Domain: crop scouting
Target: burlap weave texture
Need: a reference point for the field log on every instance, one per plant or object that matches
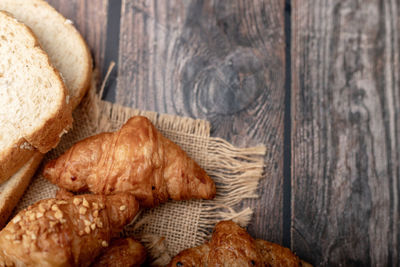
(236, 172)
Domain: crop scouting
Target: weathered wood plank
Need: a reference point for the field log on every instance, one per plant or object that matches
(90, 18)
(345, 139)
(216, 60)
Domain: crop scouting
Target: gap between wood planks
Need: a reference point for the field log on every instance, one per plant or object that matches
(287, 157)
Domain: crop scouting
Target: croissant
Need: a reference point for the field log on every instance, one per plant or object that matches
(122, 252)
(65, 232)
(231, 245)
(136, 159)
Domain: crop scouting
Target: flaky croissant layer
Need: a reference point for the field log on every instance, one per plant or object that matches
(122, 252)
(232, 246)
(65, 232)
(136, 159)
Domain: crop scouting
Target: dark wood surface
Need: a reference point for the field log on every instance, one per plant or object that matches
(317, 82)
(345, 171)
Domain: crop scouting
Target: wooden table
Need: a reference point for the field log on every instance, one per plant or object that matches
(315, 81)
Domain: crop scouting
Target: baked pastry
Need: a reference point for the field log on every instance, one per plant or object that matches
(122, 252)
(231, 245)
(136, 159)
(68, 231)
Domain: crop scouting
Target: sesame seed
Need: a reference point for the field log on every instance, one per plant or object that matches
(93, 226)
(62, 202)
(122, 208)
(98, 222)
(54, 207)
(26, 244)
(82, 210)
(52, 223)
(62, 220)
(95, 205)
(101, 205)
(87, 222)
(104, 243)
(39, 215)
(77, 201)
(81, 232)
(87, 229)
(85, 203)
(32, 216)
(33, 236)
(58, 214)
(17, 219)
(95, 213)
(41, 208)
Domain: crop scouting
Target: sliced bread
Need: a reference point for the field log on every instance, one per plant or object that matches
(77, 71)
(13, 189)
(61, 41)
(12, 157)
(32, 96)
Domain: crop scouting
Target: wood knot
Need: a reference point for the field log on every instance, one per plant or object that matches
(225, 86)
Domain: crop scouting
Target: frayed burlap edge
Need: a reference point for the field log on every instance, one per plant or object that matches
(236, 172)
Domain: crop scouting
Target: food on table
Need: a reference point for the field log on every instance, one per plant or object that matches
(136, 159)
(231, 245)
(66, 231)
(122, 252)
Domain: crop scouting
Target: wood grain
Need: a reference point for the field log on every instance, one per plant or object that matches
(345, 138)
(216, 61)
(90, 18)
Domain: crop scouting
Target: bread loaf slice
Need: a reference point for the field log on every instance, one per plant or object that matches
(13, 189)
(66, 48)
(69, 53)
(33, 108)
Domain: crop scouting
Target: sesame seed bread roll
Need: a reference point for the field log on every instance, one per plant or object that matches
(71, 231)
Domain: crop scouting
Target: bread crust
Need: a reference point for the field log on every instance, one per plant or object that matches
(88, 75)
(84, 86)
(46, 135)
(12, 190)
(71, 231)
(77, 93)
(14, 158)
(231, 245)
(136, 159)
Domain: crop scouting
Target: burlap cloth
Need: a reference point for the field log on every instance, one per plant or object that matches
(174, 226)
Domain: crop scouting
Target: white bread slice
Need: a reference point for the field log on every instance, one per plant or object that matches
(62, 42)
(32, 97)
(13, 189)
(41, 18)
(12, 157)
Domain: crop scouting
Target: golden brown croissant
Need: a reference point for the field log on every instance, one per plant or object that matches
(65, 232)
(123, 252)
(231, 245)
(136, 159)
